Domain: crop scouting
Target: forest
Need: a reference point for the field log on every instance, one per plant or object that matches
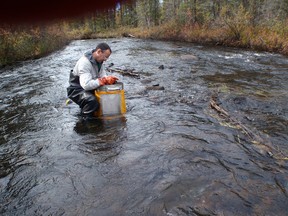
(252, 24)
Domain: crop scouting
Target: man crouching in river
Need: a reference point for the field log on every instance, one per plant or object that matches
(88, 75)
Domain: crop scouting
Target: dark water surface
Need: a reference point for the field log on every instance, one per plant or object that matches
(171, 154)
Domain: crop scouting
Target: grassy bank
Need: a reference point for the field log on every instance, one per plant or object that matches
(254, 38)
(34, 42)
(18, 44)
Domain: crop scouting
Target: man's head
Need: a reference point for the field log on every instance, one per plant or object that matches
(102, 52)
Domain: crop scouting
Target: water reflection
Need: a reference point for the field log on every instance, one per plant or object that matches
(103, 136)
(99, 125)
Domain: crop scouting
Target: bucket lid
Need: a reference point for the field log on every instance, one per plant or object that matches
(114, 87)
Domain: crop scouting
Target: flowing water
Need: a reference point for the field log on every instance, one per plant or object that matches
(205, 133)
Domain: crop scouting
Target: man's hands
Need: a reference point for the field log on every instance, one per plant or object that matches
(108, 80)
(111, 80)
(102, 81)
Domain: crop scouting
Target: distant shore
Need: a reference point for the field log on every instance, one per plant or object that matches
(35, 43)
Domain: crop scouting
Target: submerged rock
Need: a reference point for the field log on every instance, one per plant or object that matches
(154, 87)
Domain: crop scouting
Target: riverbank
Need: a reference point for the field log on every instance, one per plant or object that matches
(20, 43)
(258, 39)
(37, 42)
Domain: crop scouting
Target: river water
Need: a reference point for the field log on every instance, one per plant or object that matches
(205, 133)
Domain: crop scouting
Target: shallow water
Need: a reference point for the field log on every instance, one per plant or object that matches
(171, 154)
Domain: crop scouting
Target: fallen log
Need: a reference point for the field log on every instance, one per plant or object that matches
(125, 72)
(128, 35)
(255, 138)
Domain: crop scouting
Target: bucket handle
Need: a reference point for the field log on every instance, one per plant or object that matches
(114, 89)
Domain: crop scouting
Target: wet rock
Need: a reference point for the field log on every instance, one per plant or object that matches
(189, 57)
(161, 67)
(111, 64)
(240, 100)
(193, 71)
(146, 81)
(154, 87)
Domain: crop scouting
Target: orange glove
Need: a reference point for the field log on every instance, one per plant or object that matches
(111, 80)
(102, 81)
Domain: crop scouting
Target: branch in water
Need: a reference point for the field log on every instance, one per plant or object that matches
(256, 139)
(125, 72)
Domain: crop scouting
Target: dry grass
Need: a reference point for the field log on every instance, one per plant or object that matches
(37, 41)
(27, 43)
(258, 38)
